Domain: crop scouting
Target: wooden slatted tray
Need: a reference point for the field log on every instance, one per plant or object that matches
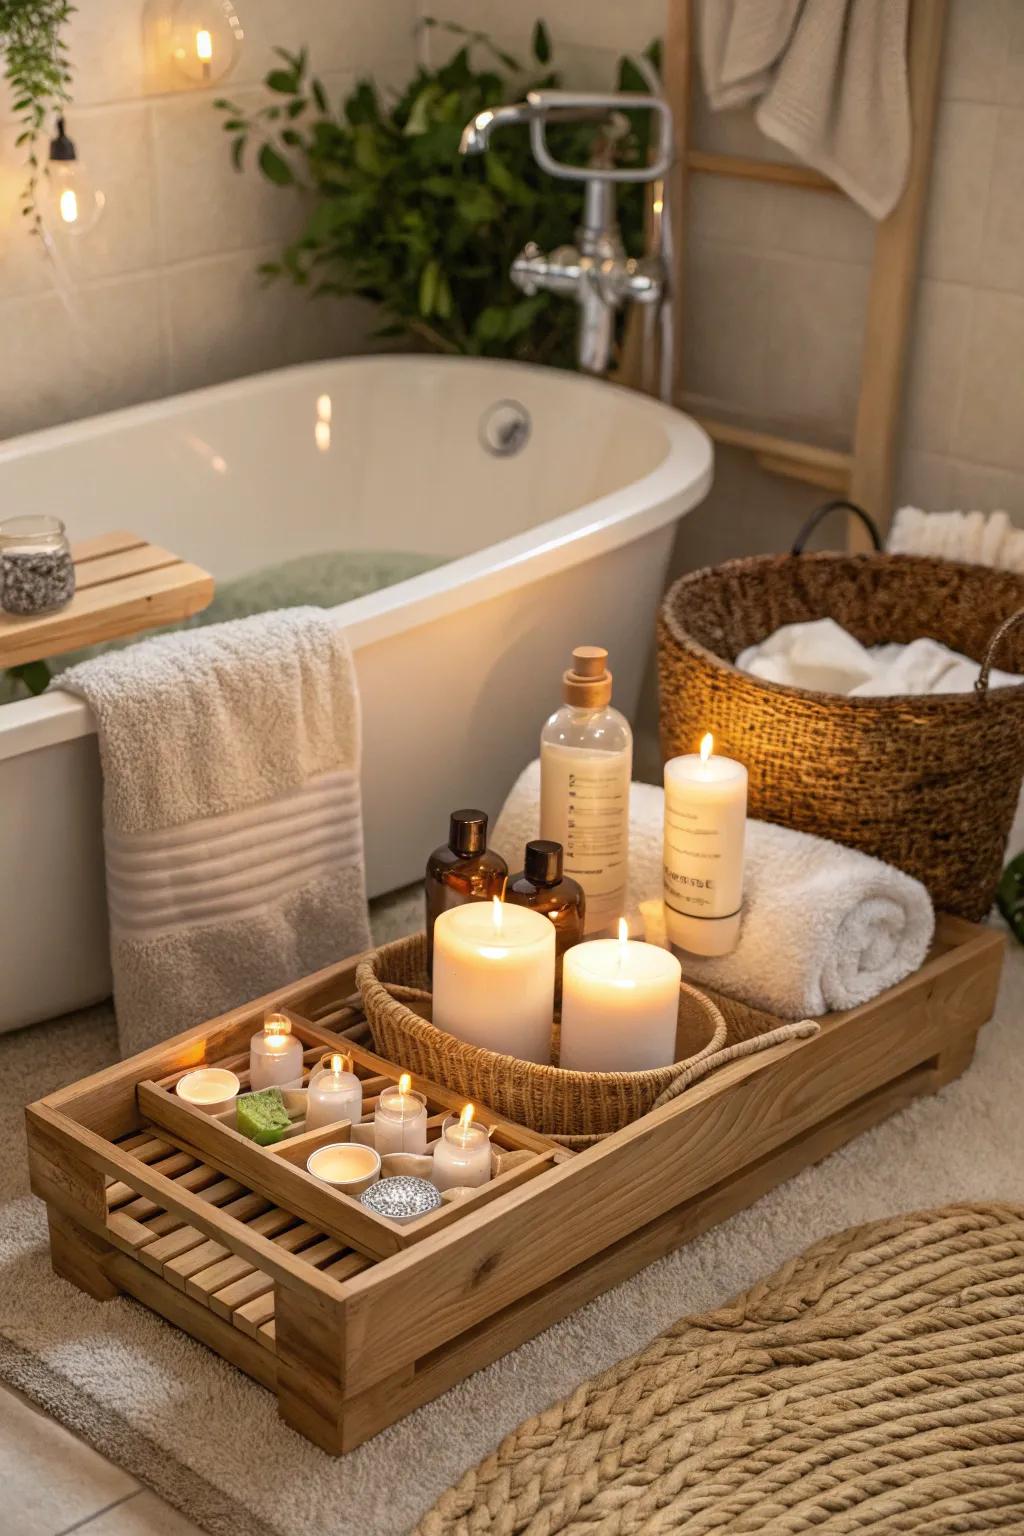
(123, 585)
(284, 1287)
(280, 1170)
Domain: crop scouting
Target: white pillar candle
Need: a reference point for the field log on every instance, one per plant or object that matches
(462, 1157)
(494, 978)
(620, 1005)
(335, 1093)
(705, 823)
(400, 1119)
(208, 1088)
(275, 1055)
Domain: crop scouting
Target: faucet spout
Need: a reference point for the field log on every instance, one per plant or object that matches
(476, 136)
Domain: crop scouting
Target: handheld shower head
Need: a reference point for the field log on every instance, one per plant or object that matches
(476, 135)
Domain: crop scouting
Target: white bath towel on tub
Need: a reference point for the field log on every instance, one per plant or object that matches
(231, 813)
(824, 927)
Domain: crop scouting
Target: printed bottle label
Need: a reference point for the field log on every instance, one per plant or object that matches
(585, 807)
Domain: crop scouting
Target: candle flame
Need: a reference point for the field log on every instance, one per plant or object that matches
(339, 1063)
(277, 1024)
(707, 746)
(404, 1084)
(465, 1119)
(623, 930)
(496, 913)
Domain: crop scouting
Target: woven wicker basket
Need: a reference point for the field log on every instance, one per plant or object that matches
(929, 784)
(576, 1107)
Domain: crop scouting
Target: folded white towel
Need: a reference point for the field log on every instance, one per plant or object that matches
(831, 80)
(231, 811)
(820, 655)
(824, 927)
(972, 537)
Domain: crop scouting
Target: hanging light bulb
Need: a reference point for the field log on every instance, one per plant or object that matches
(71, 203)
(205, 38)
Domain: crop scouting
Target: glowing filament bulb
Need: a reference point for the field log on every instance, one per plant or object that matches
(276, 1029)
(204, 46)
(404, 1085)
(69, 206)
(496, 913)
(707, 746)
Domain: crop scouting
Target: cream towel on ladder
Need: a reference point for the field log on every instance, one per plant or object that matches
(232, 814)
(830, 80)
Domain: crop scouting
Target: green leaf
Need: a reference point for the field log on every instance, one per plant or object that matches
(429, 280)
(34, 674)
(541, 43)
(237, 152)
(319, 94)
(285, 81)
(419, 116)
(274, 167)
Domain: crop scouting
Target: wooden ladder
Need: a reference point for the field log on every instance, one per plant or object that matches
(864, 473)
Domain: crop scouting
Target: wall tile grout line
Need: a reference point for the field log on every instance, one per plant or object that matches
(87, 1520)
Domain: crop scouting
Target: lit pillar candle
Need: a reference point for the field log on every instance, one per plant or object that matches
(620, 1005)
(400, 1119)
(705, 823)
(275, 1055)
(494, 978)
(335, 1093)
(462, 1157)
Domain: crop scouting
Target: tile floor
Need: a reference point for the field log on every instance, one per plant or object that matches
(54, 1483)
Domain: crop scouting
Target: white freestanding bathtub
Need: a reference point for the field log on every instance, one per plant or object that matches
(553, 496)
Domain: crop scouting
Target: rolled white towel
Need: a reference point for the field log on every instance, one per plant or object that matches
(977, 538)
(824, 927)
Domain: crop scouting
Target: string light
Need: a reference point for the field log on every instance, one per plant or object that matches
(71, 203)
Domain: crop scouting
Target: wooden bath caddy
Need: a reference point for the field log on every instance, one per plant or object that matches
(354, 1322)
(123, 585)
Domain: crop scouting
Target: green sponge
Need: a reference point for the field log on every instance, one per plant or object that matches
(262, 1116)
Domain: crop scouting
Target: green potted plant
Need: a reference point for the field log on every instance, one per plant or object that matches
(398, 216)
(36, 68)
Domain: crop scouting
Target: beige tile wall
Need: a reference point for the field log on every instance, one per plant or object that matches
(778, 278)
(161, 295)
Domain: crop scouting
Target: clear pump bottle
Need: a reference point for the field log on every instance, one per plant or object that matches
(586, 765)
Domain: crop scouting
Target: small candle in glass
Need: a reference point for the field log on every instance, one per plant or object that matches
(208, 1088)
(347, 1167)
(400, 1119)
(335, 1093)
(275, 1055)
(463, 1155)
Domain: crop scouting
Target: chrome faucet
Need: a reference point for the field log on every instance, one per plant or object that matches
(596, 271)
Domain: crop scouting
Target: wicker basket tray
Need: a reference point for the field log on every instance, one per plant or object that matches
(930, 783)
(574, 1107)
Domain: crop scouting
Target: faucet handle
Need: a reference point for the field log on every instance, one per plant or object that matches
(598, 104)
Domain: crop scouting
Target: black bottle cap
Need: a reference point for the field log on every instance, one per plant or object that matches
(467, 832)
(543, 862)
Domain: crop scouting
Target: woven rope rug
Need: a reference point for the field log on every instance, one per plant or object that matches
(875, 1383)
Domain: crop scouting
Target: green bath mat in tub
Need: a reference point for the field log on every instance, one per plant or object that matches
(322, 581)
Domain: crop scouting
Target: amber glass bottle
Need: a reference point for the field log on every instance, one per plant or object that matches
(463, 869)
(542, 886)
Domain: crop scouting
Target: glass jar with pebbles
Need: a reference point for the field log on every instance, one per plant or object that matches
(37, 573)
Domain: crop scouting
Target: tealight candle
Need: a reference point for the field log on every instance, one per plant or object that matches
(620, 1005)
(275, 1055)
(705, 822)
(463, 1154)
(349, 1167)
(208, 1088)
(494, 978)
(335, 1093)
(400, 1119)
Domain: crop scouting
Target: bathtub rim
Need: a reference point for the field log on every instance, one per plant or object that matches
(676, 484)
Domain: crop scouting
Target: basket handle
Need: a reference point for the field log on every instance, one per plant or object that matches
(981, 681)
(803, 1029)
(819, 516)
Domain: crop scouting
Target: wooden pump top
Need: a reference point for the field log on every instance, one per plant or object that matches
(588, 683)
